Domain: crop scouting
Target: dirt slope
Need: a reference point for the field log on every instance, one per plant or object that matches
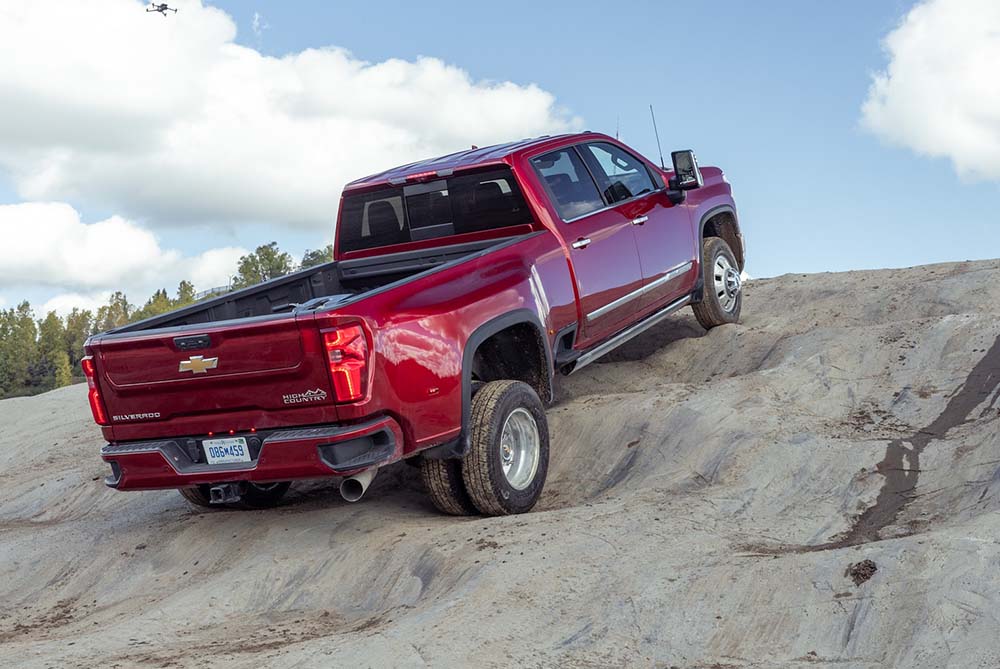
(707, 495)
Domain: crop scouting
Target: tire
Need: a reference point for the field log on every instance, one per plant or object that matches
(262, 495)
(514, 406)
(723, 300)
(255, 496)
(197, 495)
(443, 479)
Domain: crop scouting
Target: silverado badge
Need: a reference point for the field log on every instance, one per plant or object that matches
(198, 364)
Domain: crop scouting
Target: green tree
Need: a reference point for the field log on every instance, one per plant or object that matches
(267, 262)
(18, 349)
(185, 294)
(6, 367)
(50, 368)
(159, 303)
(79, 325)
(116, 313)
(318, 256)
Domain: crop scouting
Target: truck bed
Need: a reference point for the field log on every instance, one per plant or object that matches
(312, 288)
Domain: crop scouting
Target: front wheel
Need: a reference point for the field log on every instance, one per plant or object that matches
(508, 459)
(723, 300)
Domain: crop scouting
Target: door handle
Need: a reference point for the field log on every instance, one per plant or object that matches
(581, 243)
(640, 220)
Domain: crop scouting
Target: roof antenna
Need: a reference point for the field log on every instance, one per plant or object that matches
(618, 125)
(657, 133)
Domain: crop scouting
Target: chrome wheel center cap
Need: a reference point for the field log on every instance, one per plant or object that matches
(733, 282)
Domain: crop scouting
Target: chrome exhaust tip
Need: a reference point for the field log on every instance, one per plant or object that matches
(353, 488)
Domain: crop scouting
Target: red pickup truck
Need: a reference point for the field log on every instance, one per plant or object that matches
(459, 287)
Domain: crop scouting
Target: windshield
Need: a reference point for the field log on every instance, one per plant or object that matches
(442, 208)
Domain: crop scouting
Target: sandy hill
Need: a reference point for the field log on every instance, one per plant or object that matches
(707, 495)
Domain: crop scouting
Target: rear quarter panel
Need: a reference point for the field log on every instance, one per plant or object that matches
(419, 331)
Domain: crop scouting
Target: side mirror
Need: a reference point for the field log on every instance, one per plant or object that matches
(687, 175)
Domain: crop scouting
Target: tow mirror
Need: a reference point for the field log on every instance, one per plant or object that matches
(687, 175)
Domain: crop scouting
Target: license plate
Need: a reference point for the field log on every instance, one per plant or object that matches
(223, 451)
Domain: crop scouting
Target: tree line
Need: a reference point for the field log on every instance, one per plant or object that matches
(38, 355)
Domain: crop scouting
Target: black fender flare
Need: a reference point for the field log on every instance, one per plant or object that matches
(459, 447)
(715, 211)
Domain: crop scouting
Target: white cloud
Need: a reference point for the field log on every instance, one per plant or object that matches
(940, 94)
(258, 25)
(64, 303)
(169, 121)
(47, 244)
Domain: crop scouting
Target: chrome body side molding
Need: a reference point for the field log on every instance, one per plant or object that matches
(671, 274)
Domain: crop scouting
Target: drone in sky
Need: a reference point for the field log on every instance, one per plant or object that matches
(161, 8)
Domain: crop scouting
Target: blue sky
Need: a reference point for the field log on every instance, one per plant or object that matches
(772, 92)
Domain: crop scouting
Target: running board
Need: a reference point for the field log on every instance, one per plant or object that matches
(593, 354)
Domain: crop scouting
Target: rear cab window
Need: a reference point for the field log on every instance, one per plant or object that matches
(463, 203)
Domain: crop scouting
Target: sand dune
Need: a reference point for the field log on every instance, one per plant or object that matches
(707, 495)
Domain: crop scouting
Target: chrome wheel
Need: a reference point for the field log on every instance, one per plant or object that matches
(519, 448)
(727, 283)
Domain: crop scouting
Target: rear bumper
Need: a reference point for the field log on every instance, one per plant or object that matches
(279, 455)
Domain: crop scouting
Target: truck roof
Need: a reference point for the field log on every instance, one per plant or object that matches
(462, 160)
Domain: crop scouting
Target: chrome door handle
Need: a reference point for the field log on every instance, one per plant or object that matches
(581, 243)
(640, 220)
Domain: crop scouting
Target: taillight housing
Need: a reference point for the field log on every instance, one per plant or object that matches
(94, 395)
(347, 357)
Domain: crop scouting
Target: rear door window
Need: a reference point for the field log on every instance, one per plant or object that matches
(620, 175)
(568, 182)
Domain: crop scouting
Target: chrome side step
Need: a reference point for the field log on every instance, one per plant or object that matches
(617, 340)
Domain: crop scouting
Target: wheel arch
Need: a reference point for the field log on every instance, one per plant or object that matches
(513, 323)
(721, 221)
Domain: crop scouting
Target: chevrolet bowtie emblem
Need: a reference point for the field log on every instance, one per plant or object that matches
(198, 364)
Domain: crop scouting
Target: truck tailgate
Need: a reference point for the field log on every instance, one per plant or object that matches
(272, 363)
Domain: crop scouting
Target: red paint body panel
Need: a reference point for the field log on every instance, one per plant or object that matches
(260, 361)
(417, 330)
(286, 461)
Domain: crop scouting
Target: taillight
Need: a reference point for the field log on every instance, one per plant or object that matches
(347, 356)
(94, 395)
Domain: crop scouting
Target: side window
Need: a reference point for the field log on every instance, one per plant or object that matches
(572, 189)
(620, 175)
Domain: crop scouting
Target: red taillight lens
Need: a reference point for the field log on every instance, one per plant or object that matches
(347, 355)
(94, 395)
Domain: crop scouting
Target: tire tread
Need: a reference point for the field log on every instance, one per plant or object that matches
(709, 312)
(443, 480)
(477, 464)
(484, 479)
